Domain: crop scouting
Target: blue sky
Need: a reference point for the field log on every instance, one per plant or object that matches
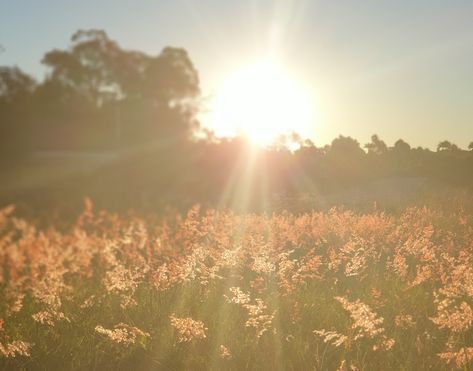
(401, 69)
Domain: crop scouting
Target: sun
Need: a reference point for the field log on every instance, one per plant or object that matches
(261, 102)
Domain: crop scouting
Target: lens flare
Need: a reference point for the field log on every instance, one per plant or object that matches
(261, 102)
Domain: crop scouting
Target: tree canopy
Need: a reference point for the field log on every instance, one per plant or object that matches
(97, 95)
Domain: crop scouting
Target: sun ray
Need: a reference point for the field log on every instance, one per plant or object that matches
(261, 102)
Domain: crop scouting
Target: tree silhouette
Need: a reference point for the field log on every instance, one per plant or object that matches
(15, 84)
(345, 147)
(94, 67)
(16, 91)
(138, 98)
(401, 147)
(445, 145)
(377, 146)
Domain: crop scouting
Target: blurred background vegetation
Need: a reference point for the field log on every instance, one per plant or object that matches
(122, 127)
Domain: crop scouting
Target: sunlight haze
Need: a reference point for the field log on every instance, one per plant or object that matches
(236, 185)
(398, 69)
(262, 102)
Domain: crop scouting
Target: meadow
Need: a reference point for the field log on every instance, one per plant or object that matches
(276, 185)
(217, 290)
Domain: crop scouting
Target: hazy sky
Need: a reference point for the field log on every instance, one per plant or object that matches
(401, 69)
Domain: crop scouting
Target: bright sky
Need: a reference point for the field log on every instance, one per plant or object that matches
(400, 69)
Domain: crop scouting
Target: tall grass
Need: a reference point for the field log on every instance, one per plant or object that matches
(214, 290)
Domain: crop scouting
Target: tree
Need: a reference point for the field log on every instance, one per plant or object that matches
(345, 160)
(401, 147)
(377, 146)
(172, 87)
(140, 98)
(15, 84)
(91, 66)
(445, 145)
(171, 76)
(346, 147)
(16, 91)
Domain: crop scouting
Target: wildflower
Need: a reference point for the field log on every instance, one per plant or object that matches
(343, 367)
(332, 337)
(225, 352)
(404, 321)
(188, 329)
(424, 273)
(365, 320)
(163, 277)
(461, 357)
(356, 265)
(121, 279)
(17, 347)
(48, 317)
(262, 264)
(88, 303)
(230, 257)
(239, 297)
(257, 318)
(127, 301)
(289, 338)
(122, 333)
(384, 344)
(400, 265)
(366, 323)
(456, 318)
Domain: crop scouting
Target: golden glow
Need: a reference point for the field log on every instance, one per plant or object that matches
(261, 102)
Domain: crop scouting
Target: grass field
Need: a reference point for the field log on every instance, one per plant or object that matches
(212, 290)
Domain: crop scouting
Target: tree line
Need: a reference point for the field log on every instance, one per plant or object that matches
(98, 96)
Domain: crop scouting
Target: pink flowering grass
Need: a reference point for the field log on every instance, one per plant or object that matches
(216, 290)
